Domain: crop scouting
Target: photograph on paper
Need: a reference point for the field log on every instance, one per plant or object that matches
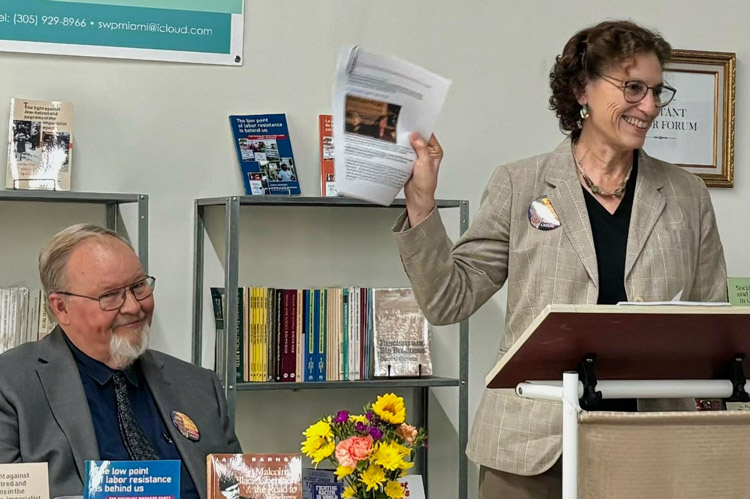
(378, 103)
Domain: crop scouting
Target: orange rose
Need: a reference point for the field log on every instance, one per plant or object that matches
(352, 450)
(407, 432)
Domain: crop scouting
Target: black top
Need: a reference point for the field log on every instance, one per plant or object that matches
(98, 386)
(610, 231)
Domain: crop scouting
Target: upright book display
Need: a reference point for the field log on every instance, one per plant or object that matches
(40, 145)
(230, 251)
(264, 151)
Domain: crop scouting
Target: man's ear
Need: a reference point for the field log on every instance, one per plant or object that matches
(59, 308)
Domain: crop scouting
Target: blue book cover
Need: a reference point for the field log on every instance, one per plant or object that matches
(307, 337)
(319, 484)
(323, 335)
(264, 151)
(109, 479)
(316, 334)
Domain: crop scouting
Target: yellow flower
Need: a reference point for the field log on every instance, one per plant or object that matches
(318, 448)
(390, 407)
(320, 429)
(394, 490)
(373, 476)
(343, 471)
(390, 455)
(349, 492)
(357, 419)
(405, 465)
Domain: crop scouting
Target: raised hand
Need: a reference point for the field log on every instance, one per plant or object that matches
(420, 189)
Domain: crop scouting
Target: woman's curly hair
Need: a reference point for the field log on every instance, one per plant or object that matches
(589, 54)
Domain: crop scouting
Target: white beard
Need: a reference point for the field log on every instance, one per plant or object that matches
(122, 352)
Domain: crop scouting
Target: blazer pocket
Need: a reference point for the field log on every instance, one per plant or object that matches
(668, 263)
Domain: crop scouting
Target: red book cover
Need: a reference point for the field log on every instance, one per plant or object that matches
(278, 334)
(327, 175)
(256, 476)
(288, 359)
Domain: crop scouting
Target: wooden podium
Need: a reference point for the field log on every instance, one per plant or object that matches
(579, 354)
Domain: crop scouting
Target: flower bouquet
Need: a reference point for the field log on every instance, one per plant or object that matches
(370, 451)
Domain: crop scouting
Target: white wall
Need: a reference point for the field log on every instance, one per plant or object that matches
(162, 129)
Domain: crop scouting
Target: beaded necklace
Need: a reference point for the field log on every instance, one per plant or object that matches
(619, 192)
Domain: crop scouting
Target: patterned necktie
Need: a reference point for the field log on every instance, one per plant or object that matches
(138, 445)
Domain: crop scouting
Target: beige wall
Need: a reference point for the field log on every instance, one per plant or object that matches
(162, 129)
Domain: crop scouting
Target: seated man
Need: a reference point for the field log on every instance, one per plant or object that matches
(91, 389)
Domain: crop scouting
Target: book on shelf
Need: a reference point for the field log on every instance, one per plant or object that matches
(327, 169)
(137, 479)
(326, 334)
(256, 476)
(400, 334)
(40, 145)
(24, 481)
(218, 300)
(264, 151)
(23, 317)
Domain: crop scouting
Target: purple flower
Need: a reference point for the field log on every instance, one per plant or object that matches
(341, 417)
(360, 427)
(369, 416)
(375, 433)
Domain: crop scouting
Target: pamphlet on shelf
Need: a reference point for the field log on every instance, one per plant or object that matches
(264, 151)
(40, 145)
(377, 103)
(327, 171)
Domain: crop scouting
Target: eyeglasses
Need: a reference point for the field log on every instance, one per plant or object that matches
(114, 299)
(635, 91)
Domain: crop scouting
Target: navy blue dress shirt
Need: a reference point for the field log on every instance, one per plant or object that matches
(100, 393)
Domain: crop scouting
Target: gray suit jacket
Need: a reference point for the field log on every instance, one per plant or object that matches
(44, 414)
(673, 247)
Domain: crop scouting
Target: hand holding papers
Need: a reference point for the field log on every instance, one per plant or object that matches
(378, 102)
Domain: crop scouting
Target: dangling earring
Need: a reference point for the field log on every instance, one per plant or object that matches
(583, 113)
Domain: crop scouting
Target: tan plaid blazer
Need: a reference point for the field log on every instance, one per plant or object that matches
(673, 247)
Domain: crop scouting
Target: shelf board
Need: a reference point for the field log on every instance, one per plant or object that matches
(68, 197)
(315, 201)
(432, 381)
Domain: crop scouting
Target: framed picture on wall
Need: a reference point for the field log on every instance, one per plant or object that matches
(696, 130)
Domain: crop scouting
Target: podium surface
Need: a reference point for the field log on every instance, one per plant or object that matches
(633, 342)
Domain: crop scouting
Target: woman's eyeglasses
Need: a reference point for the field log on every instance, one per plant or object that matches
(635, 91)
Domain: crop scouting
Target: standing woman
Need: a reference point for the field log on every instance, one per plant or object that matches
(597, 220)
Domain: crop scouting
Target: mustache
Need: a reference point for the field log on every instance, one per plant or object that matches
(128, 319)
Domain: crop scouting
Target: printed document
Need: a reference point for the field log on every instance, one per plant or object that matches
(377, 103)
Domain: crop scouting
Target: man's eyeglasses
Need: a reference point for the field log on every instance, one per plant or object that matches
(114, 299)
(635, 91)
